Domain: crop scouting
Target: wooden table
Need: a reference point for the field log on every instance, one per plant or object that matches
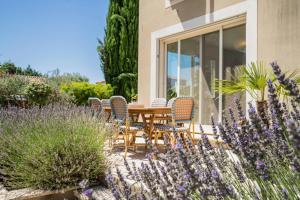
(149, 115)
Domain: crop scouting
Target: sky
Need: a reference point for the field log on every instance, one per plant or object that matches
(51, 34)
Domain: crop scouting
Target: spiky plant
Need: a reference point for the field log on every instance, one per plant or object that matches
(252, 79)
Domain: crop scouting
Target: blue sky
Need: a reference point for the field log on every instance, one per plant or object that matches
(50, 34)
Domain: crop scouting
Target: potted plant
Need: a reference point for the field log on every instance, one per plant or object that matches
(253, 79)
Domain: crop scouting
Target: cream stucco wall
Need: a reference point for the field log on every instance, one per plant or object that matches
(154, 16)
(279, 32)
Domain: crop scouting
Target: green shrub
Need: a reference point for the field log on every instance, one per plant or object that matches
(10, 88)
(58, 96)
(38, 93)
(56, 80)
(50, 148)
(81, 91)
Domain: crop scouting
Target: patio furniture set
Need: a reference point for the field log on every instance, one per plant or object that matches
(133, 123)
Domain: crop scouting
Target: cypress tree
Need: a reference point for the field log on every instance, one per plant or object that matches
(119, 51)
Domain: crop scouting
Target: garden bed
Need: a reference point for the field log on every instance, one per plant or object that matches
(49, 149)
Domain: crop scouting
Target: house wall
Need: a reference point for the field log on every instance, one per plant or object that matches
(279, 32)
(154, 16)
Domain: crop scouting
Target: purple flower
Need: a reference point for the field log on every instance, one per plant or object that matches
(260, 165)
(215, 174)
(262, 169)
(285, 193)
(178, 146)
(83, 184)
(258, 142)
(187, 176)
(181, 188)
(289, 84)
(88, 192)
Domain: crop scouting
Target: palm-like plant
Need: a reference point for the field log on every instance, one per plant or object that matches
(252, 79)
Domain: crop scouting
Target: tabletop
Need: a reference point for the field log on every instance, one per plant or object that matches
(145, 110)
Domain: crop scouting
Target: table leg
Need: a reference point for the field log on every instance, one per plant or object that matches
(148, 126)
(151, 127)
(108, 117)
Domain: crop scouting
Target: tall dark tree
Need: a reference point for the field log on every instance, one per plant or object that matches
(119, 51)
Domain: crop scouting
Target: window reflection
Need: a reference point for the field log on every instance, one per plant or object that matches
(199, 67)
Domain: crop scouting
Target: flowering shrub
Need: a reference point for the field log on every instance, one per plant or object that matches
(52, 147)
(38, 93)
(10, 88)
(258, 160)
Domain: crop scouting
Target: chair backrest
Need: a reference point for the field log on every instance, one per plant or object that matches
(170, 102)
(95, 103)
(183, 109)
(159, 102)
(105, 103)
(119, 108)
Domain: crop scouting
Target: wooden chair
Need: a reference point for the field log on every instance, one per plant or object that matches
(95, 104)
(159, 102)
(170, 102)
(182, 113)
(105, 103)
(169, 105)
(126, 130)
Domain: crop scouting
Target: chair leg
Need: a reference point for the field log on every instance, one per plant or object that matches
(190, 137)
(193, 129)
(125, 151)
(133, 141)
(156, 137)
(126, 142)
(173, 140)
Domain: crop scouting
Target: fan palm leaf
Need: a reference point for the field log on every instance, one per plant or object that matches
(252, 78)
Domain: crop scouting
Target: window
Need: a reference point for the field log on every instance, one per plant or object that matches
(194, 64)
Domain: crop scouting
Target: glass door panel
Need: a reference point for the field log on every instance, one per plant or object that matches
(172, 70)
(234, 55)
(209, 72)
(193, 65)
(189, 70)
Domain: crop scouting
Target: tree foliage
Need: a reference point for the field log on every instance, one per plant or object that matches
(119, 50)
(11, 68)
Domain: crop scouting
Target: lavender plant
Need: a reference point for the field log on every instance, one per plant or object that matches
(252, 158)
(52, 147)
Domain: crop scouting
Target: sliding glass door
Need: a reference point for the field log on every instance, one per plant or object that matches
(209, 72)
(195, 63)
(172, 69)
(189, 70)
(234, 55)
